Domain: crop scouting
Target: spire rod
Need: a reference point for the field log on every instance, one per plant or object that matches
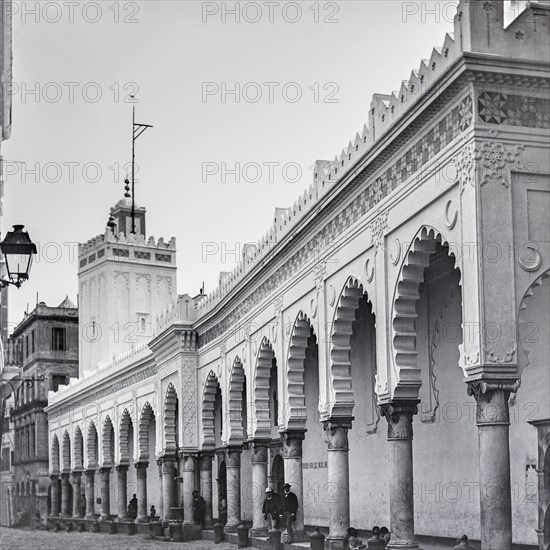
(137, 130)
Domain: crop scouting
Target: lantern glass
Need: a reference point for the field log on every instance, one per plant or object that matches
(18, 251)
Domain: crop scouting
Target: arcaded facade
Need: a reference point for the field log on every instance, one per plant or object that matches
(383, 348)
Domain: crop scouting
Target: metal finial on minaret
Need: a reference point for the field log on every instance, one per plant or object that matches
(137, 130)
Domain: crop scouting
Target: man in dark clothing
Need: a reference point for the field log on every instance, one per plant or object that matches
(199, 507)
(290, 508)
(273, 507)
(133, 508)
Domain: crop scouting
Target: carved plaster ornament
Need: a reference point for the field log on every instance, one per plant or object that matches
(450, 215)
(395, 252)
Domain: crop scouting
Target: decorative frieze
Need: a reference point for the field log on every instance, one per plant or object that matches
(449, 127)
(513, 110)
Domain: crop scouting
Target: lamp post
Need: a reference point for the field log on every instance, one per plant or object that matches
(18, 251)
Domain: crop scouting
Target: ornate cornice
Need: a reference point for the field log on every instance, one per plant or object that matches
(408, 159)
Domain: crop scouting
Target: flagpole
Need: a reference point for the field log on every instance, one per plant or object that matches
(133, 164)
(135, 134)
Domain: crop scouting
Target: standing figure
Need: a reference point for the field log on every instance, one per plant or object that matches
(290, 509)
(199, 507)
(152, 513)
(133, 507)
(272, 508)
(222, 509)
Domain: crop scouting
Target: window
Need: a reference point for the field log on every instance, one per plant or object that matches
(27, 345)
(58, 380)
(58, 339)
(5, 459)
(32, 340)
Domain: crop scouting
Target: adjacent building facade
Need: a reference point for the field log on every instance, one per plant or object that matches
(407, 287)
(47, 343)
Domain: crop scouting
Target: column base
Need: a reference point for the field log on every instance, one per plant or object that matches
(406, 545)
(300, 536)
(122, 518)
(230, 528)
(142, 519)
(261, 532)
(105, 517)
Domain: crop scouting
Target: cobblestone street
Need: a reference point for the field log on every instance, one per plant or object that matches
(23, 539)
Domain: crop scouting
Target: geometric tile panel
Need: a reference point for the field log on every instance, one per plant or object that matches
(514, 110)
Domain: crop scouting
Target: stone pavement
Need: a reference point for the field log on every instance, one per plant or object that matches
(26, 539)
(23, 539)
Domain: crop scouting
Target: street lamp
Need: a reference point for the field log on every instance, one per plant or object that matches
(18, 250)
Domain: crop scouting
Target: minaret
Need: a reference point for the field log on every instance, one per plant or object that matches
(125, 282)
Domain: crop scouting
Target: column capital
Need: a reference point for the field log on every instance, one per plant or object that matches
(167, 466)
(189, 461)
(492, 400)
(205, 461)
(122, 468)
(399, 416)
(183, 453)
(65, 475)
(105, 469)
(54, 477)
(233, 456)
(259, 450)
(77, 473)
(336, 432)
(292, 443)
(141, 465)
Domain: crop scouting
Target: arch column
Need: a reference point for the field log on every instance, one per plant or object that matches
(141, 476)
(336, 436)
(169, 494)
(122, 481)
(205, 468)
(543, 436)
(233, 468)
(259, 485)
(400, 434)
(292, 457)
(188, 479)
(105, 492)
(77, 494)
(65, 495)
(493, 421)
(54, 495)
(89, 476)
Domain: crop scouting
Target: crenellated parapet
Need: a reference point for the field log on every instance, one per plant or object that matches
(513, 29)
(120, 247)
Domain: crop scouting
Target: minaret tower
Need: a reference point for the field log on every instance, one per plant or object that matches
(125, 282)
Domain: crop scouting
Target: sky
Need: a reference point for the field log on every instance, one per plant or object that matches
(243, 98)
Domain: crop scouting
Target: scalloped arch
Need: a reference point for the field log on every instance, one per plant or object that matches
(55, 454)
(523, 306)
(66, 452)
(147, 415)
(91, 446)
(107, 447)
(340, 347)
(170, 412)
(264, 362)
(126, 425)
(78, 449)
(406, 295)
(208, 402)
(296, 411)
(236, 383)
